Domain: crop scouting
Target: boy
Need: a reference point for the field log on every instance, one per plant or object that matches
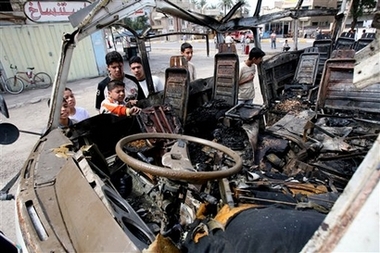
(115, 103)
(137, 70)
(285, 46)
(247, 74)
(187, 52)
(115, 67)
(77, 113)
(64, 120)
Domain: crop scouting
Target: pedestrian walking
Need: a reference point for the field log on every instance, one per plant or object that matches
(273, 40)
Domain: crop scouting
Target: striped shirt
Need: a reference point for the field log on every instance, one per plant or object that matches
(114, 107)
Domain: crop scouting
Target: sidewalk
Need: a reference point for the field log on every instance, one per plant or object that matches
(279, 40)
(32, 96)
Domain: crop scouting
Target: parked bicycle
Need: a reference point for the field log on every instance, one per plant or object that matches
(16, 84)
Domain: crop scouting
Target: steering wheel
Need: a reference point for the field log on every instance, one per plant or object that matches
(184, 174)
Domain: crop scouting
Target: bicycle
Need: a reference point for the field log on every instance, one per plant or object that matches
(16, 85)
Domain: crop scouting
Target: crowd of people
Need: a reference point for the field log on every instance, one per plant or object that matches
(118, 93)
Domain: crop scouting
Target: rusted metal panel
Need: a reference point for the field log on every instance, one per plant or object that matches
(158, 119)
(176, 91)
(292, 123)
(56, 224)
(49, 149)
(367, 67)
(39, 46)
(79, 206)
(278, 71)
(305, 75)
(324, 49)
(226, 78)
(353, 213)
(344, 43)
(307, 69)
(338, 92)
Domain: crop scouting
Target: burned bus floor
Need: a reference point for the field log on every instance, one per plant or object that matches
(305, 159)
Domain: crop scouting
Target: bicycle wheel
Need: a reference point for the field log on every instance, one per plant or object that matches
(14, 85)
(42, 80)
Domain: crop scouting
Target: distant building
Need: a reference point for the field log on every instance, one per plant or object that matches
(307, 24)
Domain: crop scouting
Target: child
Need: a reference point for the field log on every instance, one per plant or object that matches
(115, 67)
(137, 69)
(187, 52)
(76, 113)
(246, 76)
(285, 46)
(114, 103)
(64, 120)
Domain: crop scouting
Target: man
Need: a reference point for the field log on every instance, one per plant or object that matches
(273, 40)
(247, 74)
(285, 46)
(242, 42)
(187, 52)
(137, 70)
(228, 39)
(364, 34)
(115, 67)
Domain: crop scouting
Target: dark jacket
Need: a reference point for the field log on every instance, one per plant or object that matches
(103, 84)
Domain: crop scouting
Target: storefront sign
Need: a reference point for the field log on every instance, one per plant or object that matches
(52, 11)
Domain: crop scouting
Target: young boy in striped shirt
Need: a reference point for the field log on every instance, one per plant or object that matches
(114, 103)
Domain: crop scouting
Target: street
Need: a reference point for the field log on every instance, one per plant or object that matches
(29, 110)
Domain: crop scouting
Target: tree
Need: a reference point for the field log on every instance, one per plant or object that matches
(195, 2)
(140, 23)
(199, 4)
(224, 4)
(359, 8)
(202, 3)
(244, 9)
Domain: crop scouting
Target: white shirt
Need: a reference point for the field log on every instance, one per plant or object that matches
(157, 83)
(246, 90)
(191, 69)
(228, 39)
(80, 114)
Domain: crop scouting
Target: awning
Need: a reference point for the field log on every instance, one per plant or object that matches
(16, 17)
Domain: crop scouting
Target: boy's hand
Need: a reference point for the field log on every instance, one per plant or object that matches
(131, 102)
(134, 110)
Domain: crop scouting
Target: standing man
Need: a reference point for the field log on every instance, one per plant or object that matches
(228, 39)
(364, 34)
(187, 52)
(247, 74)
(242, 42)
(115, 67)
(273, 40)
(137, 70)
